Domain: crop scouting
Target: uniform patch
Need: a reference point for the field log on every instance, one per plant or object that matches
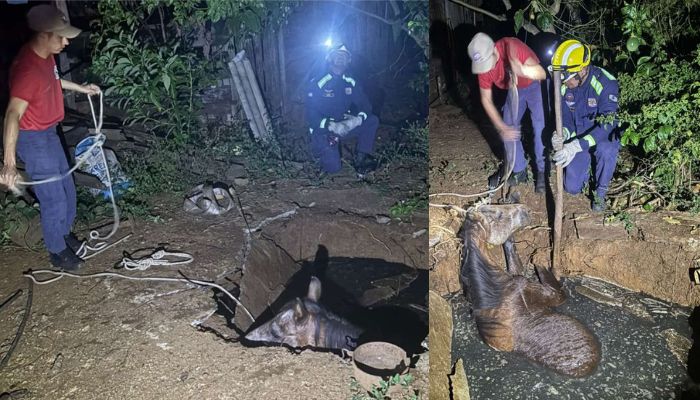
(592, 102)
(612, 97)
(348, 91)
(328, 93)
(569, 99)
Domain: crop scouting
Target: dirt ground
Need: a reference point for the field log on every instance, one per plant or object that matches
(109, 338)
(649, 255)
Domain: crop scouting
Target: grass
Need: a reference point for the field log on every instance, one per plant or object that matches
(381, 391)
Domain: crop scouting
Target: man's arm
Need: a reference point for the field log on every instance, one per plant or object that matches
(529, 69)
(15, 111)
(89, 89)
(506, 132)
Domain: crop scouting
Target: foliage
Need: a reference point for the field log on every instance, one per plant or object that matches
(623, 217)
(15, 214)
(145, 57)
(406, 208)
(381, 392)
(410, 147)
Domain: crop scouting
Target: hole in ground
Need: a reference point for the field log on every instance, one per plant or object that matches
(355, 260)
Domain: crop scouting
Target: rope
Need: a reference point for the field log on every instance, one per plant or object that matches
(60, 274)
(158, 258)
(514, 100)
(98, 142)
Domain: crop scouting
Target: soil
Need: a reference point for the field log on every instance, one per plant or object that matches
(649, 254)
(110, 338)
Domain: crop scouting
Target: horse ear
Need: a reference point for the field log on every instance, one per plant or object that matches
(299, 309)
(314, 289)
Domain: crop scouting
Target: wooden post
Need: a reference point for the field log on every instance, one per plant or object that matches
(559, 200)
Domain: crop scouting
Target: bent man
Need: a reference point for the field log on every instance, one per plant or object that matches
(495, 63)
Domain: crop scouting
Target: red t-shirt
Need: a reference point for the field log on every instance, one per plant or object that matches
(36, 81)
(498, 75)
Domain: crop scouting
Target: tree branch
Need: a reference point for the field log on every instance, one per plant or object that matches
(369, 14)
(480, 10)
(507, 4)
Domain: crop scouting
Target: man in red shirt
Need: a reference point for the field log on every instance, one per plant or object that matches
(35, 107)
(495, 64)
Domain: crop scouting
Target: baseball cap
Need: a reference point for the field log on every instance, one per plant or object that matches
(480, 50)
(46, 18)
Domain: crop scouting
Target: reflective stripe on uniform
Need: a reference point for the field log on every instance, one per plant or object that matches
(597, 86)
(563, 90)
(322, 82)
(349, 80)
(323, 123)
(567, 134)
(311, 131)
(608, 74)
(363, 115)
(590, 140)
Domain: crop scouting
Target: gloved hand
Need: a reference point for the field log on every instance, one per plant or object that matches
(339, 128)
(557, 141)
(564, 156)
(353, 121)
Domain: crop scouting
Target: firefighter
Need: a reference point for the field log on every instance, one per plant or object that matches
(337, 109)
(495, 63)
(590, 131)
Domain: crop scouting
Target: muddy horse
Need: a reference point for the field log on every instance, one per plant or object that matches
(513, 313)
(304, 323)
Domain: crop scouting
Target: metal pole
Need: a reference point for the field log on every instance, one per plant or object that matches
(559, 200)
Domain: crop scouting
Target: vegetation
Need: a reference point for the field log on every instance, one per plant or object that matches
(381, 391)
(145, 58)
(649, 45)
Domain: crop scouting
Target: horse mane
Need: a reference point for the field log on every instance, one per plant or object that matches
(483, 282)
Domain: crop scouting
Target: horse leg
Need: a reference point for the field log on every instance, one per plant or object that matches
(513, 264)
(549, 290)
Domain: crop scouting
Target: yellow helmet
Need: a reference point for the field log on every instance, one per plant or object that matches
(571, 56)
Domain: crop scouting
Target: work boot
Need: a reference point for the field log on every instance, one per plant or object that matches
(540, 183)
(65, 260)
(598, 204)
(73, 242)
(364, 164)
(515, 178)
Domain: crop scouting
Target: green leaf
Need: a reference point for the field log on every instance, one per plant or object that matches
(519, 18)
(166, 81)
(544, 20)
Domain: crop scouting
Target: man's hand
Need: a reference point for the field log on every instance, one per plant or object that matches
(353, 121)
(509, 133)
(564, 156)
(339, 128)
(8, 176)
(557, 141)
(90, 89)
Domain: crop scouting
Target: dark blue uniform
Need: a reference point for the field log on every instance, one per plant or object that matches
(328, 99)
(581, 107)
